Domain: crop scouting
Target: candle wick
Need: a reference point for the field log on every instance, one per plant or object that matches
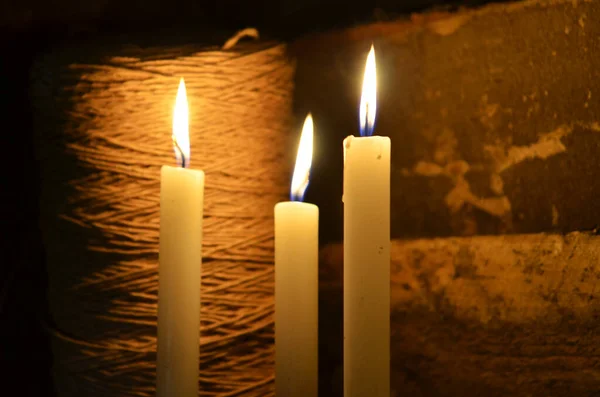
(178, 149)
(364, 128)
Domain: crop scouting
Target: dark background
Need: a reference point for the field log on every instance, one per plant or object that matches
(30, 26)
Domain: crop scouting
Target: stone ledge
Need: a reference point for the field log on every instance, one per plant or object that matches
(490, 315)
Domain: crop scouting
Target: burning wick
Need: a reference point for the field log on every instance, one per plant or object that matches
(181, 127)
(366, 128)
(368, 99)
(178, 149)
(301, 175)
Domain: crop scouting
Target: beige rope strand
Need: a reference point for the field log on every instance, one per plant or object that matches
(101, 216)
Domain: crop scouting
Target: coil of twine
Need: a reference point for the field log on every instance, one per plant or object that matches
(103, 130)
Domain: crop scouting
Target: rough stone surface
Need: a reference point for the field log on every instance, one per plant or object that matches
(490, 315)
(493, 116)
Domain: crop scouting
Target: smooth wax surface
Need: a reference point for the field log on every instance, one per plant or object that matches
(179, 273)
(367, 267)
(296, 299)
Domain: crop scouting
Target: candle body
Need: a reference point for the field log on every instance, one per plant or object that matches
(296, 299)
(179, 272)
(366, 200)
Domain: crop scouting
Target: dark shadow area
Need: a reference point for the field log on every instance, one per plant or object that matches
(25, 352)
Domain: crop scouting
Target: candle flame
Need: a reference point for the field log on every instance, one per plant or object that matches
(368, 100)
(303, 161)
(181, 128)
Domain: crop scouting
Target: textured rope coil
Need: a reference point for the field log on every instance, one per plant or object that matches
(104, 131)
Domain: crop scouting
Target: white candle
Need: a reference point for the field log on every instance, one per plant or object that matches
(366, 200)
(180, 260)
(297, 284)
